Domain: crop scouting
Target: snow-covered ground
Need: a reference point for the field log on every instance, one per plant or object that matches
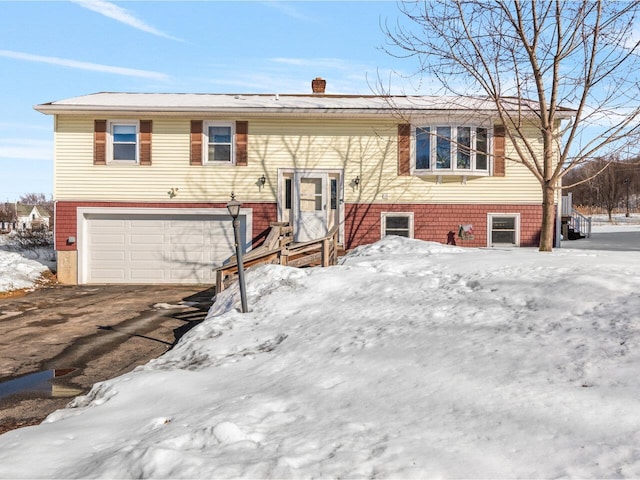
(409, 360)
(618, 223)
(22, 268)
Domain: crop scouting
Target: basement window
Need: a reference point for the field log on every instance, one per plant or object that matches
(397, 223)
(504, 229)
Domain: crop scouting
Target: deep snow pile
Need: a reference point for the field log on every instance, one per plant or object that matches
(411, 359)
(22, 268)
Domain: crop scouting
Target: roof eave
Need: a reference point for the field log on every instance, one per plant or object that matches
(49, 109)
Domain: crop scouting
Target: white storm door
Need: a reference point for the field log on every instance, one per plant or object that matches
(310, 206)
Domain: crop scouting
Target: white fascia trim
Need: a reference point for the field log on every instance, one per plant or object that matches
(249, 112)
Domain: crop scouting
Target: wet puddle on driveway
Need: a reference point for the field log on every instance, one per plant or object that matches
(39, 383)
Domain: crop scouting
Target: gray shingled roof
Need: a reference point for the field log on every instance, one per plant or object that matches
(176, 103)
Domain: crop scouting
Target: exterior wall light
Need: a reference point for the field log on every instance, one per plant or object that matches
(234, 210)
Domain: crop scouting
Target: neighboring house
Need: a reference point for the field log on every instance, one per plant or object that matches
(142, 180)
(31, 217)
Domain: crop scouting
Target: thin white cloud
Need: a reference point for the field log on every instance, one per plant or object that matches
(122, 15)
(289, 10)
(23, 126)
(294, 75)
(336, 63)
(26, 149)
(95, 67)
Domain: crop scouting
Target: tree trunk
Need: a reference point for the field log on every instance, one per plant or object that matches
(548, 217)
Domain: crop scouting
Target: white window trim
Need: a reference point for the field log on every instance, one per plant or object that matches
(205, 142)
(489, 229)
(453, 170)
(383, 221)
(110, 125)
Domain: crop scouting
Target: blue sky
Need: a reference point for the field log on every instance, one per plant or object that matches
(55, 50)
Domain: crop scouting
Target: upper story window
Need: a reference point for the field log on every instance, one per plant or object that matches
(452, 149)
(219, 140)
(123, 141)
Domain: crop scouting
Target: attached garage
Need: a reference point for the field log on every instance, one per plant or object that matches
(146, 245)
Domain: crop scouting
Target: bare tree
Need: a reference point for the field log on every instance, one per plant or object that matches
(608, 185)
(568, 69)
(7, 212)
(34, 199)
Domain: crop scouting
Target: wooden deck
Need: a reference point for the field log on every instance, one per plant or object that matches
(279, 248)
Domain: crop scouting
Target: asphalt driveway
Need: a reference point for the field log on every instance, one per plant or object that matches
(611, 241)
(84, 335)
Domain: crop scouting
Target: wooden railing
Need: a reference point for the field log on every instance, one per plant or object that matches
(278, 248)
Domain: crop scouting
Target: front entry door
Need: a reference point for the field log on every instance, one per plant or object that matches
(310, 206)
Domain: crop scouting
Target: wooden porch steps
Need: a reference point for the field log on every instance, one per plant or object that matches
(279, 248)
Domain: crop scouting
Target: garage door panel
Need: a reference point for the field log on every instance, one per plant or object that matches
(146, 256)
(106, 247)
(156, 248)
(107, 255)
(147, 224)
(146, 239)
(186, 256)
(187, 239)
(105, 224)
(107, 239)
(107, 274)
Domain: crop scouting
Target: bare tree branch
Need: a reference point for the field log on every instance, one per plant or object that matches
(569, 69)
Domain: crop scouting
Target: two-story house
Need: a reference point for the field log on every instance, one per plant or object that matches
(142, 180)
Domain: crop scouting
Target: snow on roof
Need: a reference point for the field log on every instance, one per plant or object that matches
(24, 210)
(268, 103)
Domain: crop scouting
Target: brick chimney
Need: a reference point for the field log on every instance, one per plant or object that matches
(318, 85)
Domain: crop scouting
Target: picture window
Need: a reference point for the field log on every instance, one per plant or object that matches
(451, 149)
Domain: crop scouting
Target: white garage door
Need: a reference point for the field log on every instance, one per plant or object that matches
(134, 248)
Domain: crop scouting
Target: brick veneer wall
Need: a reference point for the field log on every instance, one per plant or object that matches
(66, 217)
(362, 221)
(434, 222)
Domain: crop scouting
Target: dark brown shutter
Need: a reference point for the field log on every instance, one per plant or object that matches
(404, 149)
(145, 142)
(242, 130)
(498, 151)
(100, 142)
(196, 143)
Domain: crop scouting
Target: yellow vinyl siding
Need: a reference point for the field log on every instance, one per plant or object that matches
(363, 148)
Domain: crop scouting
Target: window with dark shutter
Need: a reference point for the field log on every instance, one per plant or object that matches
(195, 157)
(100, 142)
(404, 150)
(498, 151)
(242, 130)
(145, 142)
